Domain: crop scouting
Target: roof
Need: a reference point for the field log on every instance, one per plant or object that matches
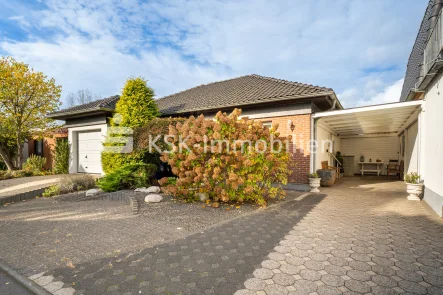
(240, 91)
(416, 57)
(236, 92)
(101, 104)
(384, 119)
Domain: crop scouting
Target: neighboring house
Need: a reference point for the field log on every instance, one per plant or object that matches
(269, 100)
(44, 146)
(423, 81)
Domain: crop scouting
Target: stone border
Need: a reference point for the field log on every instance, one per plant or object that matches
(22, 196)
(122, 196)
(25, 282)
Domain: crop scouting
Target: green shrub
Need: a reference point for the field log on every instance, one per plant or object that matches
(312, 175)
(2, 165)
(35, 163)
(113, 161)
(136, 105)
(23, 173)
(51, 191)
(5, 175)
(128, 177)
(69, 184)
(61, 156)
(412, 178)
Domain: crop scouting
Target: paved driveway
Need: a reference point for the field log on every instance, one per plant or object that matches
(364, 237)
(357, 237)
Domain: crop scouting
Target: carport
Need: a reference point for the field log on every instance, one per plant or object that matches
(380, 133)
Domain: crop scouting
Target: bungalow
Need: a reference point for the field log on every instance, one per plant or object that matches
(270, 100)
(386, 139)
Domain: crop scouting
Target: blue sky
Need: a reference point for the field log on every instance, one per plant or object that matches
(358, 48)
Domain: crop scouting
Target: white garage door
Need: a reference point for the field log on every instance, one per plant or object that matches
(89, 150)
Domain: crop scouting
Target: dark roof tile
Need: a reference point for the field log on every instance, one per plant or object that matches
(250, 89)
(243, 90)
(105, 103)
(416, 56)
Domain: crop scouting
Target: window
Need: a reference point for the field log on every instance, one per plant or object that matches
(267, 124)
(38, 147)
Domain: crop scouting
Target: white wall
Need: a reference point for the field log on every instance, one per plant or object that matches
(432, 145)
(383, 148)
(324, 137)
(412, 148)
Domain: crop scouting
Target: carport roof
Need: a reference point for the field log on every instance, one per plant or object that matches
(382, 119)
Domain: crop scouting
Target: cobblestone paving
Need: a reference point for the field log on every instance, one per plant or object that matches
(44, 234)
(215, 261)
(364, 239)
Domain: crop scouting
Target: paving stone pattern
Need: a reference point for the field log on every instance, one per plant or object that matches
(216, 261)
(365, 239)
(44, 234)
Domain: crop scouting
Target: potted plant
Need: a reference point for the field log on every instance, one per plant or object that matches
(413, 186)
(314, 182)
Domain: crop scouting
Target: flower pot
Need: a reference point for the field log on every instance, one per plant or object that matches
(414, 190)
(314, 184)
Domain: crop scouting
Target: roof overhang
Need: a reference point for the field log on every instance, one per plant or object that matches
(78, 113)
(271, 101)
(380, 120)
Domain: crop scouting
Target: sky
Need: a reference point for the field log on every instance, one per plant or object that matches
(359, 48)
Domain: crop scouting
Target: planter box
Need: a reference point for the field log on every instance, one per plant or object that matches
(314, 184)
(327, 176)
(415, 191)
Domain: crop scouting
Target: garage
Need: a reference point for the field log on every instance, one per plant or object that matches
(370, 139)
(89, 150)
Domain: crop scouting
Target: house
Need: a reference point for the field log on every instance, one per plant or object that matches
(270, 100)
(369, 138)
(406, 132)
(44, 146)
(423, 82)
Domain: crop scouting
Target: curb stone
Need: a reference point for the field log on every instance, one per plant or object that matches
(25, 282)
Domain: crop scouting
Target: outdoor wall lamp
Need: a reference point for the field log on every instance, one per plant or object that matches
(290, 125)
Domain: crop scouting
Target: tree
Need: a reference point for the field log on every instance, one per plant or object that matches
(82, 96)
(7, 146)
(136, 105)
(26, 96)
(135, 108)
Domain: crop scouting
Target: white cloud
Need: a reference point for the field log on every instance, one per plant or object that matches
(390, 94)
(21, 20)
(180, 44)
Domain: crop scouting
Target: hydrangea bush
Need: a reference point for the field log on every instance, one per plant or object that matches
(229, 158)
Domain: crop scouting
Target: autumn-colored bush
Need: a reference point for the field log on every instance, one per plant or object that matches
(229, 158)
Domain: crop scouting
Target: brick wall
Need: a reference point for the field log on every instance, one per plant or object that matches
(301, 134)
(49, 143)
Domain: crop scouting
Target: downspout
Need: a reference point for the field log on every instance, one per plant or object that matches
(334, 102)
(313, 140)
(433, 18)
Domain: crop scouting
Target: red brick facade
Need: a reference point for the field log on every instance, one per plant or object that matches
(301, 135)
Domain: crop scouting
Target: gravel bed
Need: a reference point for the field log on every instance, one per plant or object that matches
(191, 216)
(72, 197)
